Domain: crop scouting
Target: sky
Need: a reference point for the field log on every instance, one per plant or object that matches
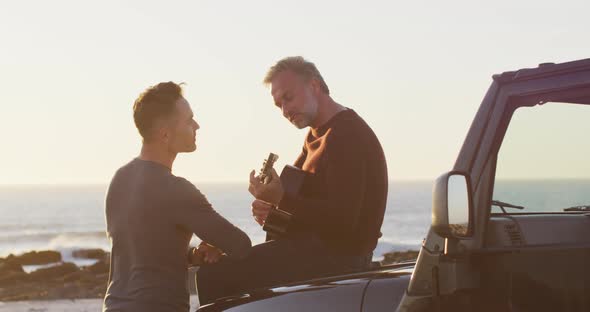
(416, 71)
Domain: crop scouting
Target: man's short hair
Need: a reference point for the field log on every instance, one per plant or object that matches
(154, 103)
(300, 66)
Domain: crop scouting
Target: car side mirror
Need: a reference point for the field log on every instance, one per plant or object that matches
(452, 205)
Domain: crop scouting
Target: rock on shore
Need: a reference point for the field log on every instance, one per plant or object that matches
(34, 257)
(399, 256)
(60, 281)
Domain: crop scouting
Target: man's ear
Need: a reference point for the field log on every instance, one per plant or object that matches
(165, 135)
(315, 85)
(161, 132)
(164, 127)
(166, 132)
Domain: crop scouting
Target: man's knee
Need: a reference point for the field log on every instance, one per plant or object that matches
(216, 281)
(208, 287)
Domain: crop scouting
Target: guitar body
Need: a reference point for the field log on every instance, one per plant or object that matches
(277, 222)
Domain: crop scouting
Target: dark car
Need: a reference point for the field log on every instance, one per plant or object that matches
(382, 287)
(483, 252)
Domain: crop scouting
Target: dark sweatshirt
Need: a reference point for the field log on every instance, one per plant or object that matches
(151, 216)
(343, 199)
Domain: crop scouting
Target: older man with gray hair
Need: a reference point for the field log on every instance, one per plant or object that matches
(337, 215)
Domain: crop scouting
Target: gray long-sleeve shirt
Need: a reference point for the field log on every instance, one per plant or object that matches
(151, 216)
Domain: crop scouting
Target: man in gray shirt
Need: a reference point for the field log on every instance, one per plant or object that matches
(152, 214)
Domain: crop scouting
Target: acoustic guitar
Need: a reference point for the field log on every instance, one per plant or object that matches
(292, 178)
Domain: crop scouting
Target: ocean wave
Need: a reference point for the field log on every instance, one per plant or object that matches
(63, 242)
(44, 229)
(50, 236)
(68, 240)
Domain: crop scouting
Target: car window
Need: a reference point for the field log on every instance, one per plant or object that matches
(544, 161)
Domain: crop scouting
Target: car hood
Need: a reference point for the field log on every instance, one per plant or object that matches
(334, 293)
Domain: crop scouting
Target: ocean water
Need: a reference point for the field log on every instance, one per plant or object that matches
(66, 218)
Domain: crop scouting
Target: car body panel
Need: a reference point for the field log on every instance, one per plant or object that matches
(336, 293)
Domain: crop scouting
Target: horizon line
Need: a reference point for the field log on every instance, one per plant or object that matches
(88, 184)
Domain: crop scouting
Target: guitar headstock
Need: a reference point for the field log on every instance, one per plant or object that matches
(265, 175)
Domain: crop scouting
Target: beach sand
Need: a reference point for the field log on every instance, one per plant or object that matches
(76, 305)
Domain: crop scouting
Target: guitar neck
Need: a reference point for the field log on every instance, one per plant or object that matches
(265, 172)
